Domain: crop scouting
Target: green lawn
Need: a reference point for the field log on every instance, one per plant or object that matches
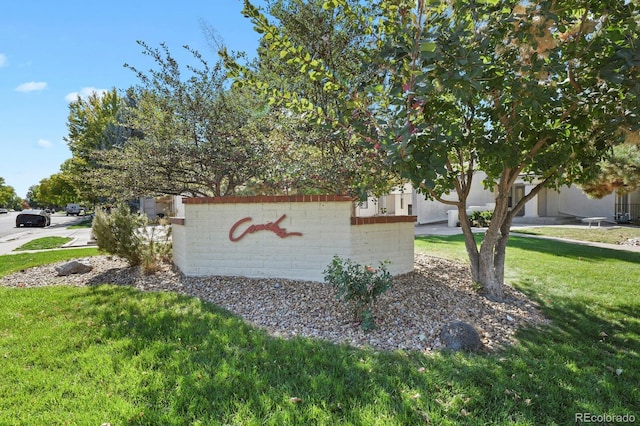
(605, 234)
(86, 222)
(111, 354)
(44, 243)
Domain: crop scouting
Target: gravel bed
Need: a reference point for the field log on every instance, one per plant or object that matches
(409, 316)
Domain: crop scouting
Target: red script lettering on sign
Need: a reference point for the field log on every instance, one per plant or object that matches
(270, 226)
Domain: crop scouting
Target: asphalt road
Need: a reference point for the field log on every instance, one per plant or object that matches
(12, 237)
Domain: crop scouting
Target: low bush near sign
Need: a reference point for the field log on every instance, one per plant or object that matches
(128, 235)
(115, 233)
(359, 286)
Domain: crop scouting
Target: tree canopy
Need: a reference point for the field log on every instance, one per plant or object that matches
(96, 125)
(306, 35)
(539, 91)
(8, 197)
(618, 173)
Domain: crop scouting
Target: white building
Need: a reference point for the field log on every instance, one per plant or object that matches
(549, 206)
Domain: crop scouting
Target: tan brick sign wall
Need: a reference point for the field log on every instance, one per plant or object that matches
(285, 237)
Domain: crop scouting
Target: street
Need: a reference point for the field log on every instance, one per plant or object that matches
(12, 237)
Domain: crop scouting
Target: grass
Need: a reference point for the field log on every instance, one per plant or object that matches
(610, 235)
(109, 354)
(84, 223)
(44, 243)
(16, 262)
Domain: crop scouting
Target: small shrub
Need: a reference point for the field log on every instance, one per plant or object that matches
(359, 286)
(156, 247)
(481, 219)
(128, 235)
(115, 233)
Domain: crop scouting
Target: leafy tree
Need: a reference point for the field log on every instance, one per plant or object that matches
(96, 125)
(331, 155)
(537, 90)
(619, 173)
(56, 190)
(198, 136)
(8, 197)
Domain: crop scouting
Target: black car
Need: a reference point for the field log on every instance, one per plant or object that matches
(33, 218)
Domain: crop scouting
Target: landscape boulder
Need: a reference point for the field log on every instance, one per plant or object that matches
(459, 335)
(74, 267)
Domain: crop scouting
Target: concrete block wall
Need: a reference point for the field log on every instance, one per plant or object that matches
(293, 237)
(375, 242)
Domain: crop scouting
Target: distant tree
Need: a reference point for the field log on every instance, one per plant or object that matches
(57, 190)
(32, 195)
(521, 90)
(95, 125)
(8, 197)
(198, 136)
(618, 173)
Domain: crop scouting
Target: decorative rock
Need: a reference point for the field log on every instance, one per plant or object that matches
(74, 267)
(459, 335)
(420, 302)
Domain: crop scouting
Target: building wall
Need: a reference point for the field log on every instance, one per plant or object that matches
(573, 202)
(203, 243)
(396, 203)
(430, 211)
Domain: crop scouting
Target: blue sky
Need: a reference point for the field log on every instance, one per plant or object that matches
(51, 51)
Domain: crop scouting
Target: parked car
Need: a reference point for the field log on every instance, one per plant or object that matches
(33, 218)
(73, 209)
(3, 211)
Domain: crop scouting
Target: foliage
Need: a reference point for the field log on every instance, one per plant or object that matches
(359, 286)
(481, 218)
(338, 162)
(157, 248)
(117, 233)
(57, 190)
(620, 173)
(534, 90)
(197, 136)
(130, 236)
(96, 125)
(8, 197)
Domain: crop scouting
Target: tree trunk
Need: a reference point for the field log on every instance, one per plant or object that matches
(491, 267)
(470, 243)
(487, 263)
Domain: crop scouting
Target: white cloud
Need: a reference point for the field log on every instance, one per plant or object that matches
(3, 60)
(43, 143)
(84, 93)
(32, 86)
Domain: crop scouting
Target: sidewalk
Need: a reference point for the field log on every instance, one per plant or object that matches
(441, 228)
(81, 237)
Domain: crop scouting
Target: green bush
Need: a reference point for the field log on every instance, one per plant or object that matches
(359, 286)
(116, 233)
(481, 219)
(129, 236)
(156, 247)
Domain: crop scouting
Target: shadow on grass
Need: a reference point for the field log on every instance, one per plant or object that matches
(179, 360)
(574, 251)
(195, 361)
